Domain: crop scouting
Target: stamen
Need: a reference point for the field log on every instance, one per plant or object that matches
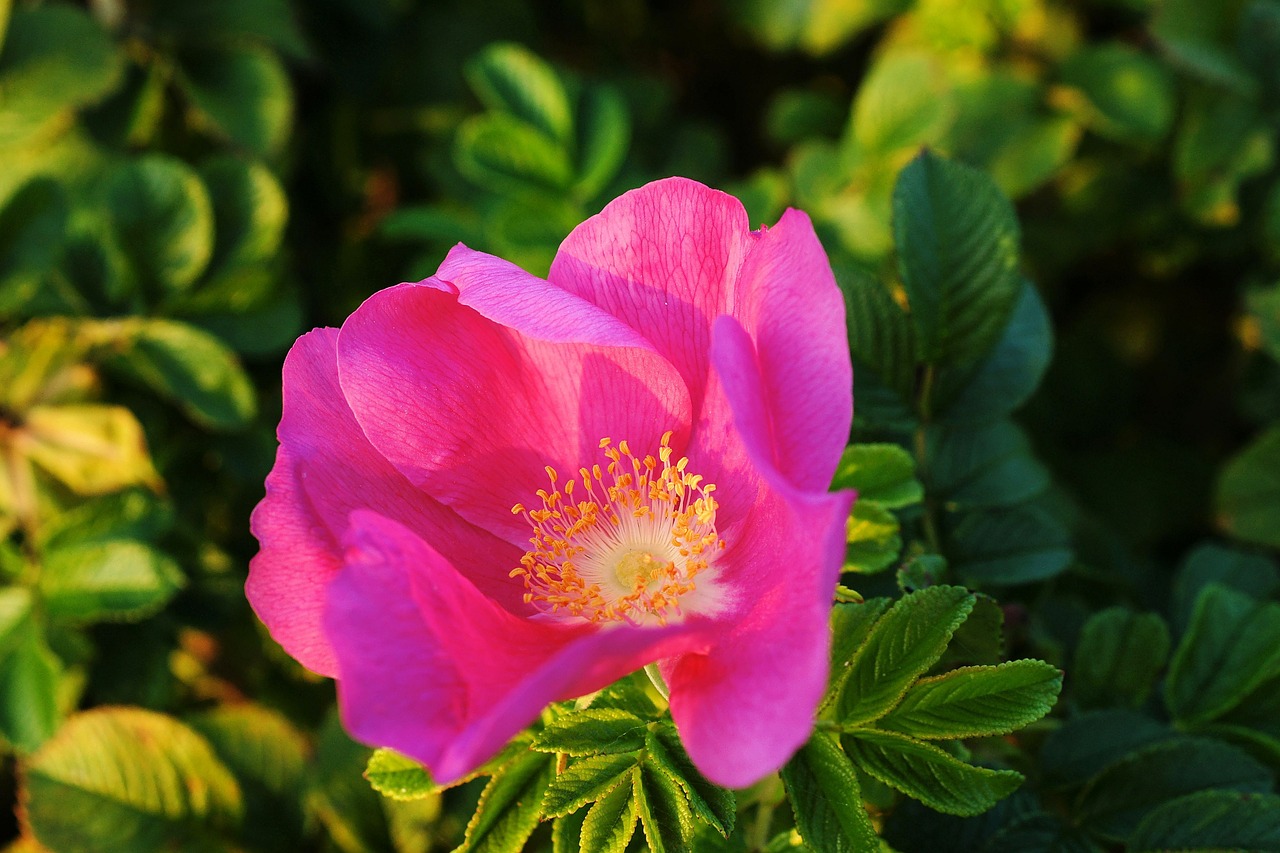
(628, 546)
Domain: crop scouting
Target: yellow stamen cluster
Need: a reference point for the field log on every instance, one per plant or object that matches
(623, 543)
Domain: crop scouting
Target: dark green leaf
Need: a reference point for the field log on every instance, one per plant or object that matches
(1120, 797)
(826, 799)
(113, 581)
(32, 231)
(1248, 496)
(604, 134)
(1009, 546)
(566, 833)
(904, 642)
(270, 21)
(592, 731)
(992, 465)
(1085, 745)
(585, 781)
(1252, 574)
(249, 210)
(1127, 96)
(510, 79)
(1119, 657)
(1217, 820)
(980, 639)
(926, 773)
(124, 779)
(611, 822)
(1231, 646)
(881, 473)
(29, 682)
(665, 816)
(506, 155)
(881, 339)
(957, 240)
(976, 701)
(242, 93)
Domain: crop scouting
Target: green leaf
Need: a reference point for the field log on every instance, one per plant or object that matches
(29, 680)
(510, 805)
(33, 228)
(827, 800)
(604, 135)
(566, 833)
(393, 775)
(881, 473)
(510, 79)
(1120, 797)
(1196, 36)
(1119, 657)
(873, 538)
(1252, 574)
(164, 220)
(903, 101)
(250, 212)
(189, 367)
(1086, 745)
(1222, 139)
(350, 813)
(903, 643)
(976, 701)
(506, 155)
(585, 781)
(816, 26)
(611, 822)
(851, 624)
(711, 803)
(1126, 96)
(118, 581)
(986, 466)
(55, 58)
(592, 731)
(131, 514)
(926, 773)
(125, 779)
(1007, 377)
(90, 448)
(665, 815)
(980, 639)
(1016, 545)
(1248, 493)
(241, 93)
(957, 240)
(919, 571)
(1231, 646)
(882, 341)
(270, 21)
(1211, 820)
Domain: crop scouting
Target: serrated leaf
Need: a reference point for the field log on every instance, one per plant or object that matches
(976, 701)
(592, 731)
(92, 449)
(881, 340)
(506, 155)
(164, 219)
(1120, 797)
(510, 805)
(1013, 545)
(904, 642)
(1254, 575)
(1085, 745)
(711, 803)
(125, 779)
(189, 367)
(958, 246)
(566, 833)
(1119, 657)
(873, 538)
(881, 473)
(1248, 493)
(851, 624)
(585, 781)
(827, 800)
(241, 93)
(1211, 820)
(991, 465)
(250, 212)
(33, 226)
(56, 58)
(980, 638)
(114, 581)
(393, 775)
(510, 79)
(611, 822)
(1231, 646)
(665, 816)
(604, 134)
(926, 773)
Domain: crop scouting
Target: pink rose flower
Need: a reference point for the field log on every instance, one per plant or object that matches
(494, 491)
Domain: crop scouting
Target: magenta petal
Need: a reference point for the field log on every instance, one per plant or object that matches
(795, 314)
(764, 679)
(430, 667)
(472, 410)
(325, 468)
(665, 260)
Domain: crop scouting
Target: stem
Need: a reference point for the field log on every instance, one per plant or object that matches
(659, 683)
(924, 405)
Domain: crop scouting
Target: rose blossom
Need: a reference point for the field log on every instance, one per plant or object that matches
(495, 491)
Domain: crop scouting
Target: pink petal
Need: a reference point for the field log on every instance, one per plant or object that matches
(325, 468)
(764, 679)
(665, 260)
(795, 315)
(432, 668)
(471, 387)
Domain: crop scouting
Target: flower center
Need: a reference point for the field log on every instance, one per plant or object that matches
(623, 543)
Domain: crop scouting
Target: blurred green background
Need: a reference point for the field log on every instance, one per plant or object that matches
(187, 185)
